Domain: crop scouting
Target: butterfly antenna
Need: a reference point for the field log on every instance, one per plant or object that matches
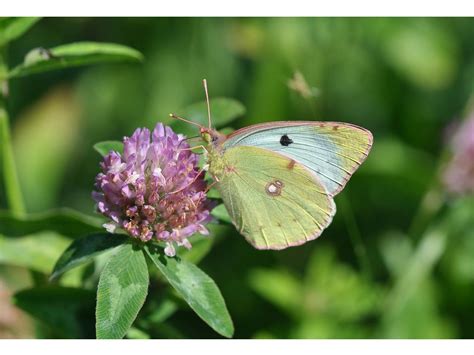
(185, 120)
(204, 82)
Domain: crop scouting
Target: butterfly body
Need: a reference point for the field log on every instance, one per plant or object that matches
(277, 180)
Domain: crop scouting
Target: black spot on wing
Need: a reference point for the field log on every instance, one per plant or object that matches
(285, 140)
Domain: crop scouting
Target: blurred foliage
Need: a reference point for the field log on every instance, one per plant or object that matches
(39, 60)
(66, 312)
(329, 302)
(403, 79)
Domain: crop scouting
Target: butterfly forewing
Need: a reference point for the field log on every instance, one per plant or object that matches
(274, 201)
(331, 150)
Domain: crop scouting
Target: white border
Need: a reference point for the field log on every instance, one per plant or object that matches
(237, 347)
(237, 8)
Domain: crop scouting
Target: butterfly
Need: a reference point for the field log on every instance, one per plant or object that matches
(278, 180)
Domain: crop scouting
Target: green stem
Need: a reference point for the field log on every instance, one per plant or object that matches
(431, 203)
(431, 243)
(356, 237)
(7, 162)
(420, 265)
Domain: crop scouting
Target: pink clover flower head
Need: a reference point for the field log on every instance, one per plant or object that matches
(154, 190)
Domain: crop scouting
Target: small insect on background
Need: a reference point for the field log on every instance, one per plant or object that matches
(278, 179)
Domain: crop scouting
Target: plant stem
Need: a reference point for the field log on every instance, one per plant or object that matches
(356, 238)
(431, 203)
(429, 251)
(7, 162)
(431, 244)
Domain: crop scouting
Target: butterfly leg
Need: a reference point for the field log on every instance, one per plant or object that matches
(195, 147)
(211, 185)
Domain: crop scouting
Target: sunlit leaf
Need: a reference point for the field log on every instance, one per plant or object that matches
(42, 155)
(427, 254)
(68, 311)
(391, 157)
(8, 170)
(135, 333)
(13, 27)
(201, 247)
(73, 55)
(64, 221)
(196, 288)
(328, 282)
(457, 260)
(408, 47)
(420, 308)
(85, 249)
(396, 249)
(202, 244)
(281, 288)
(220, 212)
(37, 252)
(163, 311)
(121, 292)
(213, 193)
(103, 148)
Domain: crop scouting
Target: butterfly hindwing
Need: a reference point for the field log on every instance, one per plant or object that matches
(331, 150)
(274, 201)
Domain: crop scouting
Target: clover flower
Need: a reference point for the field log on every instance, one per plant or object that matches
(459, 174)
(154, 190)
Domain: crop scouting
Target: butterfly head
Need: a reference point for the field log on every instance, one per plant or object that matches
(211, 136)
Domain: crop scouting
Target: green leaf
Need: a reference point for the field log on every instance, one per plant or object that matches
(280, 288)
(13, 27)
(213, 192)
(68, 311)
(36, 251)
(391, 157)
(135, 333)
(64, 221)
(202, 244)
(105, 147)
(196, 288)
(122, 290)
(331, 280)
(162, 311)
(220, 212)
(72, 55)
(85, 249)
(396, 248)
(8, 170)
(418, 267)
(43, 156)
(223, 111)
(201, 247)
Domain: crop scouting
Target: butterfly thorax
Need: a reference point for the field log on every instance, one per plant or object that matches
(216, 161)
(215, 152)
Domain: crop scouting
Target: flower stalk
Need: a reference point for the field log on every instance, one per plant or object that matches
(8, 172)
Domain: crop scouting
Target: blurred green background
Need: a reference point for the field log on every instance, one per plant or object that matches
(398, 260)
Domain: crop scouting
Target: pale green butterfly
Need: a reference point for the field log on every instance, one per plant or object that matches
(278, 179)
